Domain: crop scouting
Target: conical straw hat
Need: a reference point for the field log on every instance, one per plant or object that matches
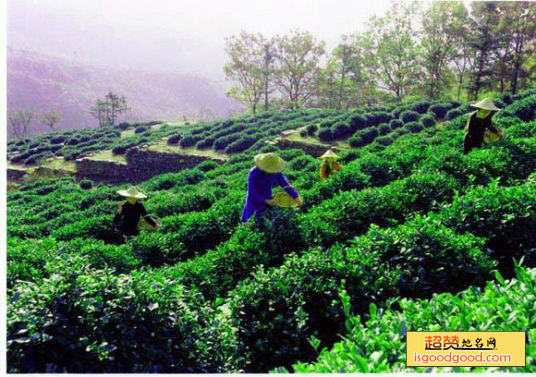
(132, 192)
(329, 154)
(269, 162)
(486, 104)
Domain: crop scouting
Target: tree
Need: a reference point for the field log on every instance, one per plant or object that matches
(268, 70)
(516, 41)
(50, 119)
(297, 66)
(439, 26)
(484, 41)
(107, 110)
(251, 67)
(344, 54)
(19, 122)
(396, 48)
(325, 85)
(364, 70)
(464, 56)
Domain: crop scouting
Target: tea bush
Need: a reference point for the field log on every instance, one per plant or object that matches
(378, 344)
(409, 116)
(439, 110)
(85, 320)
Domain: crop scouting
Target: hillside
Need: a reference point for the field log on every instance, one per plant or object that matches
(409, 217)
(43, 84)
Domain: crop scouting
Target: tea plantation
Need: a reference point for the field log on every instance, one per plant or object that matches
(411, 235)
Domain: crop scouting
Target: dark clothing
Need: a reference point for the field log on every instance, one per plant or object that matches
(327, 169)
(474, 131)
(130, 215)
(260, 186)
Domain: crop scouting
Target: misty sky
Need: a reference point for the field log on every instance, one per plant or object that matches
(172, 35)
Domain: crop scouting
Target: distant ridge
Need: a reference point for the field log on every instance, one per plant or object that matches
(43, 83)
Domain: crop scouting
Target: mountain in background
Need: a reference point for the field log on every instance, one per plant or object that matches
(44, 83)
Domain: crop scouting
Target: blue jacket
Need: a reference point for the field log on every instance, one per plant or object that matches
(260, 186)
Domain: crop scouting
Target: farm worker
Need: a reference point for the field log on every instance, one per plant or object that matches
(477, 124)
(266, 173)
(330, 164)
(129, 213)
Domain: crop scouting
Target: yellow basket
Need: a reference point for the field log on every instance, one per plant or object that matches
(282, 199)
(490, 137)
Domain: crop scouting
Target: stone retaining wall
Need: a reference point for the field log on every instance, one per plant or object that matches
(141, 165)
(16, 175)
(145, 164)
(102, 170)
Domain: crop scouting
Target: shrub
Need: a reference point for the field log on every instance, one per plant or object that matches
(327, 123)
(27, 259)
(56, 148)
(420, 107)
(368, 135)
(371, 119)
(311, 129)
(350, 213)
(427, 120)
(57, 140)
(384, 129)
(499, 103)
(325, 134)
(364, 351)
(85, 320)
(439, 110)
(187, 141)
(99, 227)
(223, 142)
(303, 163)
(504, 216)
(241, 144)
(205, 143)
(30, 161)
(119, 150)
(409, 116)
(340, 130)
(278, 311)
(123, 125)
(524, 109)
(140, 130)
(156, 249)
(303, 133)
(86, 184)
(507, 99)
(207, 165)
(174, 139)
(395, 123)
(358, 122)
(169, 180)
(451, 114)
(73, 141)
(383, 117)
(414, 127)
(432, 258)
(356, 142)
(384, 140)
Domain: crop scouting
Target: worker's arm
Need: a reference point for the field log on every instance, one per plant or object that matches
(146, 216)
(284, 183)
(117, 217)
(490, 126)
